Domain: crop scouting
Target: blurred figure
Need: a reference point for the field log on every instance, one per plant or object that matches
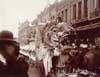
(10, 64)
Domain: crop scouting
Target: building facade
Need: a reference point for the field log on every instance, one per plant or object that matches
(83, 15)
(24, 33)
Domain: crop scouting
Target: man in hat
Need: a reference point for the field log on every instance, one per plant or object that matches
(10, 64)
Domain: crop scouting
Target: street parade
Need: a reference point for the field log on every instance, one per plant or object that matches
(63, 53)
(62, 41)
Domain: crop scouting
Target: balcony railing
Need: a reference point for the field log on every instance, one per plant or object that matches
(95, 13)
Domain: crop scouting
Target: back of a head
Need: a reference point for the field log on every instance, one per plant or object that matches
(6, 37)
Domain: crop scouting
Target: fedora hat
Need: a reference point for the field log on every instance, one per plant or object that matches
(7, 36)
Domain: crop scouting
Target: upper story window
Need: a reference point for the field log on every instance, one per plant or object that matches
(74, 11)
(85, 8)
(98, 3)
(62, 15)
(66, 13)
(79, 10)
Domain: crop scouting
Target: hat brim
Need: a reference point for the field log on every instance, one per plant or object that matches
(9, 40)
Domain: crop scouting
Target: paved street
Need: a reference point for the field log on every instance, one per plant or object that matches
(33, 72)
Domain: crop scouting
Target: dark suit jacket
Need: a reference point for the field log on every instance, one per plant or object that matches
(18, 68)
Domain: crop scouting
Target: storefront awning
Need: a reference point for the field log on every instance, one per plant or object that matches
(87, 27)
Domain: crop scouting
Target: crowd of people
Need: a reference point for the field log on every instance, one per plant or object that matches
(53, 56)
(61, 54)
